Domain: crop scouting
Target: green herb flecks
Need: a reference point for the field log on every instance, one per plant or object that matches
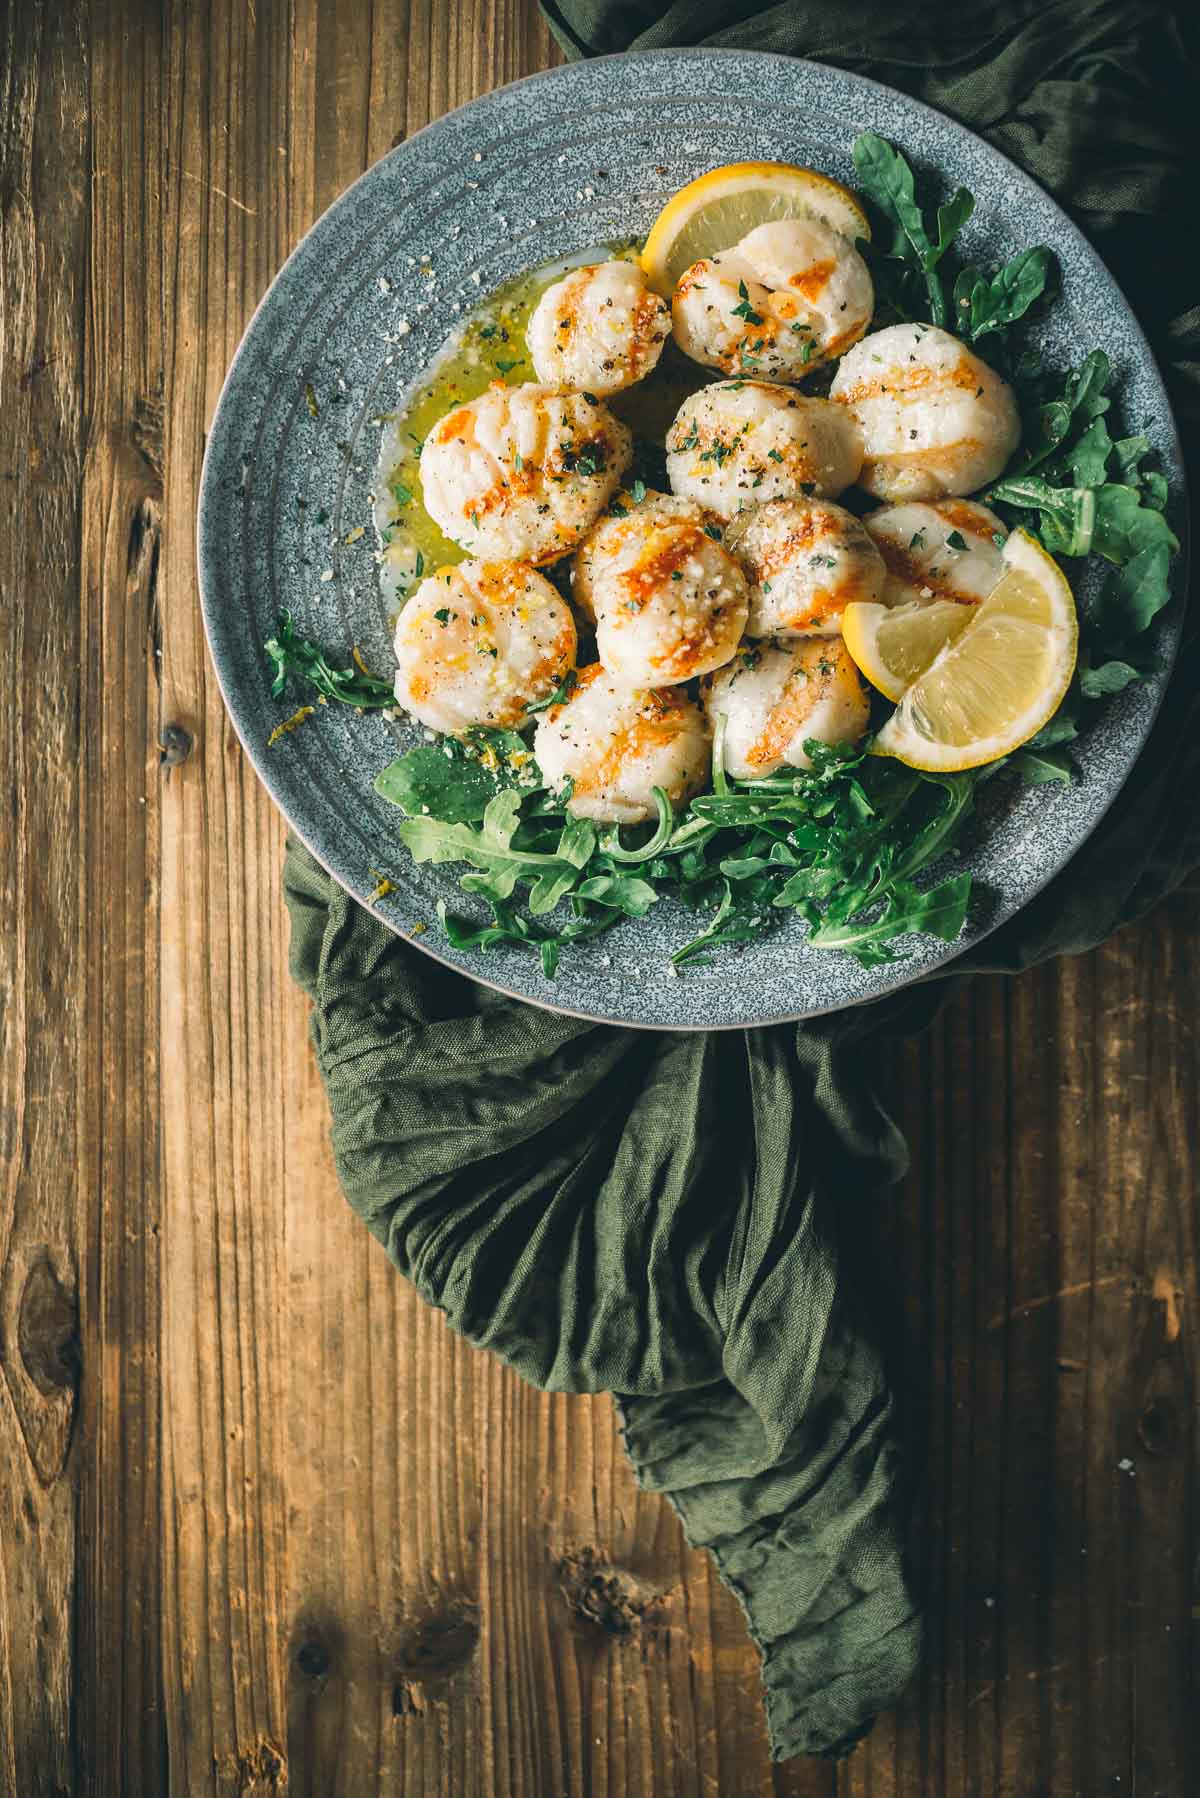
(744, 309)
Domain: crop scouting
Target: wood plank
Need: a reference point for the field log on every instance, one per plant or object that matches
(225, 121)
(46, 1066)
(1046, 1248)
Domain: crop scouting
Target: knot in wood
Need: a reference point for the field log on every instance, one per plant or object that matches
(313, 1658)
(48, 1330)
(175, 745)
(439, 1645)
(605, 1598)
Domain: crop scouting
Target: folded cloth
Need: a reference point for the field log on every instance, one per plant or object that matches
(659, 1215)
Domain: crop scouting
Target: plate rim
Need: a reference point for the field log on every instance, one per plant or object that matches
(209, 503)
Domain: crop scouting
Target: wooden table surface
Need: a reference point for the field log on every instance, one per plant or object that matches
(264, 1523)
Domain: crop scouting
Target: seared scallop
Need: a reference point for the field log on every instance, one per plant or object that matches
(479, 643)
(616, 744)
(668, 599)
(941, 549)
(806, 560)
(935, 420)
(594, 551)
(599, 329)
(521, 473)
(790, 295)
(738, 443)
(777, 697)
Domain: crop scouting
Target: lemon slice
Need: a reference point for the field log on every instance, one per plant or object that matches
(996, 683)
(894, 645)
(715, 211)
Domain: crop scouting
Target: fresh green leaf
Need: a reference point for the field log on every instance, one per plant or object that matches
(577, 842)
(427, 780)
(1039, 767)
(611, 844)
(951, 217)
(549, 888)
(1063, 727)
(1109, 677)
(297, 658)
(888, 180)
(623, 892)
(1061, 421)
(982, 305)
(940, 912)
(1089, 455)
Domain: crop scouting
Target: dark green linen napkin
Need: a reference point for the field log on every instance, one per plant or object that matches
(665, 1217)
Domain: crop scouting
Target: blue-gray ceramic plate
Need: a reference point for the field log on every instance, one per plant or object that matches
(554, 164)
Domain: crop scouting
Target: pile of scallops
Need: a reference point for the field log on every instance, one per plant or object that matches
(723, 597)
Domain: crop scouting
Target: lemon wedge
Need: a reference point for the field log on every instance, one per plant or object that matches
(716, 210)
(894, 645)
(998, 679)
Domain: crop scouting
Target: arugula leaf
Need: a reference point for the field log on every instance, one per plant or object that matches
(449, 787)
(983, 304)
(1111, 521)
(1063, 727)
(941, 912)
(1090, 453)
(1109, 677)
(1040, 766)
(577, 842)
(624, 892)
(611, 841)
(1061, 421)
(888, 181)
(951, 217)
(486, 848)
(549, 888)
(296, 657)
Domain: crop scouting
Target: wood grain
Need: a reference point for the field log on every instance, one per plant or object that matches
(265, 1524)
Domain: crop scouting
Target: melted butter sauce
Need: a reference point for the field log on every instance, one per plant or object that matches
(490, 346)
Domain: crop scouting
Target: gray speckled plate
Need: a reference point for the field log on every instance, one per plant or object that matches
(551, 165)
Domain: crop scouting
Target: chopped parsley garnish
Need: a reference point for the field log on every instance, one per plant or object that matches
(443, 615)
(638, 492)
(917, 540)
(956, 540)
(506, 366)
(744, 309)
(588, 460)
(400, 493)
